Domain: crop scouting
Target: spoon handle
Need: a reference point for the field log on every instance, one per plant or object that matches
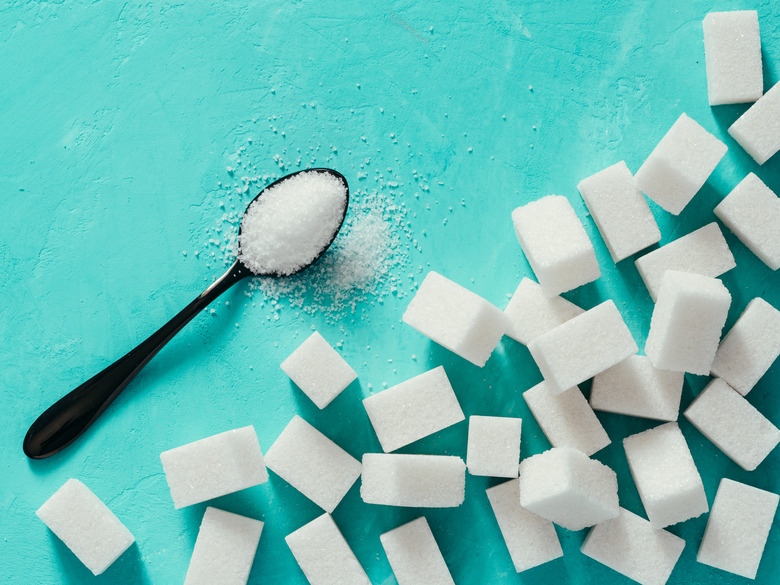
(64, 421)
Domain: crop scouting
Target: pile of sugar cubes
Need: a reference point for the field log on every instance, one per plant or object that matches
(563, 485)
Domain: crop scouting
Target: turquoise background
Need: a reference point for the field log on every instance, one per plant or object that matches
(118, 120)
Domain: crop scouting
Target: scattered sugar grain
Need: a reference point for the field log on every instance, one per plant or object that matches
(631, 546)
(734, 425)
(323, 554)
(214, 467)
(224, 549)
(531, 539)
(738, 528)
(414, 555)
(85, 525)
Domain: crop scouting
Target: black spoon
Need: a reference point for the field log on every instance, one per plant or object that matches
(64, 421)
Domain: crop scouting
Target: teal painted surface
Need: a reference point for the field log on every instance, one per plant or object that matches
(118, 122)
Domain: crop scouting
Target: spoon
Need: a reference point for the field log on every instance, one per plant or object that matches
(64, 421)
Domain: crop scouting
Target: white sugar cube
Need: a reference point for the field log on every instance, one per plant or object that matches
(493, 446)
(214, 466)
(583, 346)
(85, 524)
(686, 323)
(631, 546)
(414, 555)
(732, 56)
(531, 539)
(734, 425)
(566, 418)
(703, 251)
(456, 318)
(758, 129)
(413, 409)
(620, 211)
(567, 487)
(635, 387)
(422, 481)
(679, 165)
(750, 347)
(224, 550)
(530, 313)
(665, 475)
(556, 245)
(738, 528)
(318, 370)
(323, 554)
(313, 464)
(752, 212)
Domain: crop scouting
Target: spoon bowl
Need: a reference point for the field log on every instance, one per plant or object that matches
(65, 420)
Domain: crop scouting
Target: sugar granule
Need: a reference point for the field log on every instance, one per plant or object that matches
(290, 224)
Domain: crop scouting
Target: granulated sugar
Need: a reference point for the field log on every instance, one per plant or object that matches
(291, 223)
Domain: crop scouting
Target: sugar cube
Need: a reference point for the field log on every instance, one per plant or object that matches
(750, 347)
(493, 446)
(582, 347)
(566, 418)
(224, 550)
(531, 539)
(665, 475)
(413, 409)
(620, 211)
(530, 313)
(703, 251)
(567, 487)
(421, 481)
(323, 554)
(631, 546)
(727, 419)
(214, 466)
(732, 56)
(758, 129)
(679, 165)
(752, 212)
(456, 318)
(686, 323)
(85, 524)
(738, 528)
(556, 245)
(635, 387)
(313, 464)
(318, 370)
(414, 555)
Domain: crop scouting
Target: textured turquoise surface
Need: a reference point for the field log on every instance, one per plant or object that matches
(118, 121)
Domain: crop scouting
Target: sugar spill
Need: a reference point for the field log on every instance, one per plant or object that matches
(292, 222)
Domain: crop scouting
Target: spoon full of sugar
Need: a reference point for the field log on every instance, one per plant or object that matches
(285, 229)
